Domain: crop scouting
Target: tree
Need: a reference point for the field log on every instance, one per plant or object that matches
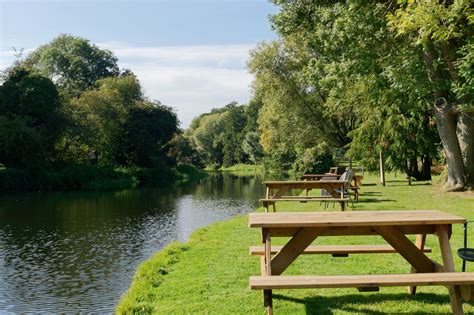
(364, 77)
(96, 118)
(30, 107)
(234, 121)
(444, 30)
(73, 63)
(206, 133)
(146, 131)
(182, 150)
(251, 147)
(20, 145)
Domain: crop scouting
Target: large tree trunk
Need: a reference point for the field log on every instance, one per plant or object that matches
(446, 122)
(465, 133)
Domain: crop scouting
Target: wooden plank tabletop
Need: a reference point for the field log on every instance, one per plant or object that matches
(359, 218)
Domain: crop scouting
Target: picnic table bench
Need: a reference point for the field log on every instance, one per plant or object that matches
(355, 184)
(392, 226)
(275, 191)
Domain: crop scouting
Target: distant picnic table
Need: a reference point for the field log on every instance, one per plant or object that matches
(393, 226)
(276, 190)
(354, 186)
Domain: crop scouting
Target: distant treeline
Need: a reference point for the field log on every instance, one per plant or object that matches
(71, 119)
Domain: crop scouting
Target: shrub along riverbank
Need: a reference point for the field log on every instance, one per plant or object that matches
(85, 177)
(209, 274)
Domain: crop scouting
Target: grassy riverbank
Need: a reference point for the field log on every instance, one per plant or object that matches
(239, 168)
(209, 274)
(88, 177)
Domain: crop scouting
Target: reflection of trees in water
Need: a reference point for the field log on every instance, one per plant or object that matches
(68, 243)
(79, 250)
(228, 185)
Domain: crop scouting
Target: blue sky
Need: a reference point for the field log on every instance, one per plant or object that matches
(188, 54)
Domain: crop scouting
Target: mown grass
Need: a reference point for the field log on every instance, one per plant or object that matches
(209, 274)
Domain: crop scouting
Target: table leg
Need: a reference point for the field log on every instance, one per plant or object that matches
(448, 262)
(420, 243)
(267, 294)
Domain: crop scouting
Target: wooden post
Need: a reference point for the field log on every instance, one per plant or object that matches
(267, 294)
(382, 169)
(420, 243)
(448, 263)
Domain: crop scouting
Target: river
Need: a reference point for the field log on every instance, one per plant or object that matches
(73, 252)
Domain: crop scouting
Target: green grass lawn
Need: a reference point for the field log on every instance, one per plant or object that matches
(209, 274)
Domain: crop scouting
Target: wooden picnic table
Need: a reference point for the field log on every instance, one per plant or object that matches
(393, 226)
(357, 179)
(355, 186)
(275, 191)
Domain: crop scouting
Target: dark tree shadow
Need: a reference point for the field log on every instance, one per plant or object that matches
(374, 200)
(371, 193)
(412, 184)
(329, 305)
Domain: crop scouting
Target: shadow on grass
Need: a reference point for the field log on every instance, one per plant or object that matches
(412, 184)
(355, 302)
(371, 193)
(371, 184)
(374, 200)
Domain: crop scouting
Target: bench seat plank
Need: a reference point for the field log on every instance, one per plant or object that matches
(354, 281)
(335, 249)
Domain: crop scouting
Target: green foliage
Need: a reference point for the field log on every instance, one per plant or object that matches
(73, 63)
(146, 130)
(251, 147)
(316, 160)
(99, 116)
(233, 135)
(30, 119)
(20, 145)
(181, 149)
(219, 136)
(338, 74)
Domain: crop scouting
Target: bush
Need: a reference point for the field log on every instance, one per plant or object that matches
(316, 160)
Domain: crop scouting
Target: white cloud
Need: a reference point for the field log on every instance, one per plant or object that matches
(192, 79)
(193, 90)
(222, 55)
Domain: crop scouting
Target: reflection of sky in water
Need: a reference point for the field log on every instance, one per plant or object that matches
(78, 251)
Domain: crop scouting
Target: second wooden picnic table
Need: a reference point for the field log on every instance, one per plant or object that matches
(276, 190)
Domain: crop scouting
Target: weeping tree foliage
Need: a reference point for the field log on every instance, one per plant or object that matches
(368, 85)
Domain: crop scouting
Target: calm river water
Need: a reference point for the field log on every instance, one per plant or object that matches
(77, 251)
